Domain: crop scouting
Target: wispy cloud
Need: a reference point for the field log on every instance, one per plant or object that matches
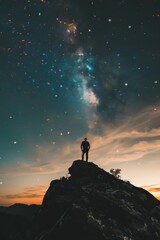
(28, 195)
(153, 189)
(131, 140)
(29, 192)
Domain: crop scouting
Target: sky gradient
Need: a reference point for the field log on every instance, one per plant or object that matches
(75, 69)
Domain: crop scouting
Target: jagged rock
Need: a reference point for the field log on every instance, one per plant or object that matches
(93, 205)
(81, 169)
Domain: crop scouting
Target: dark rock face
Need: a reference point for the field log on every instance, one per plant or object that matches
(94, 205)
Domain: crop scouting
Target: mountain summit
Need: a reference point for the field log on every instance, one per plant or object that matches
(94, 205)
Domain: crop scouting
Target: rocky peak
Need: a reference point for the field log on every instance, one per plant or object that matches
(82, 169)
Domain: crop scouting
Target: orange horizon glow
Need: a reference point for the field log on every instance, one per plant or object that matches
(30, 195)
(38, 200)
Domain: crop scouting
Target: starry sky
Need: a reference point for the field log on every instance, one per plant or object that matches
(74, 69)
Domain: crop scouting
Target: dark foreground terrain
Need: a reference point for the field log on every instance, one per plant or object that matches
(89, 205)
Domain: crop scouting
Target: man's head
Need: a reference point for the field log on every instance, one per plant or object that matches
(85, 139)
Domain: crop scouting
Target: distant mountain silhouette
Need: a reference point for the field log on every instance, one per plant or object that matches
(17, 221)
(27, 211)
(91, 205)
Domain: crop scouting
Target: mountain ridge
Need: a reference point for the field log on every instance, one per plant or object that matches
(21, 209)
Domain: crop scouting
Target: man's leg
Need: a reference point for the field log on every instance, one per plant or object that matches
(82, 155)
(86, 156)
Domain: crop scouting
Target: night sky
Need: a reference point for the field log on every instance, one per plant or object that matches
(72, 69)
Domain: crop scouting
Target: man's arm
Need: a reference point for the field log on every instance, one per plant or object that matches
(82, 146)
(89, 145)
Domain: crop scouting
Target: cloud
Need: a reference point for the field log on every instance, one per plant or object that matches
(153, 189)
(30, 167)
(134, 139)
(44, 161)
(28, 193)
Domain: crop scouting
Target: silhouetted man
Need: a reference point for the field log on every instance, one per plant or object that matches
(85, 146)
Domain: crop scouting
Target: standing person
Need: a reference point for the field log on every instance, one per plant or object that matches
(85, 146)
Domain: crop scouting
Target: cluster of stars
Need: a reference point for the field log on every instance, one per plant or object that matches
(70, 30)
